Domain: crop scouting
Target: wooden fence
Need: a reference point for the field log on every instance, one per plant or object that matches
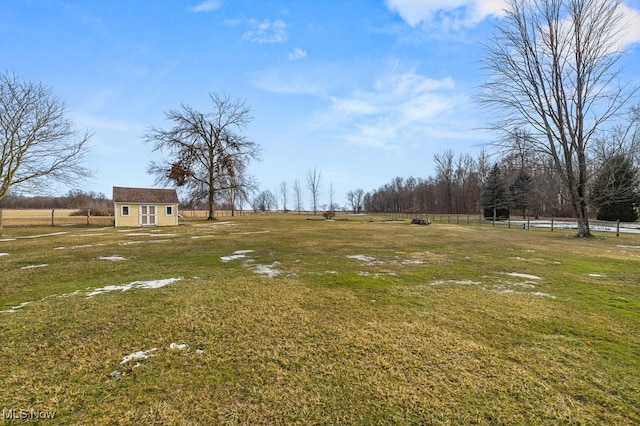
(550, 224)
(51, 217)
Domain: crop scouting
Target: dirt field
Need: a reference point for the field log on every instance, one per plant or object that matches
(49, 217)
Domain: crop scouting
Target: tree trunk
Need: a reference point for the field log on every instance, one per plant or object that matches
(583, 221)
(212, 203)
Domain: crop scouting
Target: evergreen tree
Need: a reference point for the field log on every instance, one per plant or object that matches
(495, 197)
(521, 191)
(616, 190)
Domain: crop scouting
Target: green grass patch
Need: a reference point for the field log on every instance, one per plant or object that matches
(288, 320)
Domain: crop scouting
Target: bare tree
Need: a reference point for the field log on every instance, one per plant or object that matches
(465, 179)
(297, 193)
(332, 193)
(205, 152)
(284, 195)
(553, 74)
(355, 200)
(623, 139)
(275, 198)
(314, 180)
(39, 144)
(359, 199)
(264, 201)
(237, 187)
(445, 174)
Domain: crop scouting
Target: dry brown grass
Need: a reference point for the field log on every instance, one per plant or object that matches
(48, 217)
(324, 343)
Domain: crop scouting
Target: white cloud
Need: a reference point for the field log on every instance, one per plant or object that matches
(631, 22)
(297, 53)
(266, 32)
(396, 110)
(448, 13)
(399, 110)
(206, 6)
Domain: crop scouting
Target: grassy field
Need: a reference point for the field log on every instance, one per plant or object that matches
(283, 320)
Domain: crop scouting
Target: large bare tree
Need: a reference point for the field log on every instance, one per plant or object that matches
(554, 74)
(39, 145)
(205, 152)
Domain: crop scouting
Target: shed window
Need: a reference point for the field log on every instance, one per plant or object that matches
(125, 210)
(169, 211)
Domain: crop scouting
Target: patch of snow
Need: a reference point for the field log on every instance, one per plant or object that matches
(268, 270)
(631, 247)
(79, 246)
(139, 355)
(526, 276)
(126, 243)
(213, 225)
(134, 284)
(249, 233)
(114, 258)
(35, 266)
(4, 254)
(15, 308)
(460, 282)
(541, 294)
(376, 275)
(523, 285)
(232, 257)
(596, 275)
(179, 347)
(199, 351)
(412, 262)
(239, 254)
(45, 235)
(90, 293)
(7, 239)
(362, 257)
(534, 293)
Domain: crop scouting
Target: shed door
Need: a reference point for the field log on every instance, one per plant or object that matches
(148, 215)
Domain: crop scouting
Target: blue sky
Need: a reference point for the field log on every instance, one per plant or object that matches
(362, 90)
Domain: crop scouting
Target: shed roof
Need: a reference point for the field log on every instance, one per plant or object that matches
(144, 195)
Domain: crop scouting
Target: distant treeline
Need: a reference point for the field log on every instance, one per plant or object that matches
(459, 182)
(75, 199)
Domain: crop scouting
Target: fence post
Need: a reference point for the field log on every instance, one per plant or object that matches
(617, 225)
(52, 217)
(509, 222)
(551, 224)
(528, 224)
(88, 215)
(0, 218)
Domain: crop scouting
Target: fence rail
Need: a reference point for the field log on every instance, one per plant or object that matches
(66, 217)
(550, 224)
(51, 217)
